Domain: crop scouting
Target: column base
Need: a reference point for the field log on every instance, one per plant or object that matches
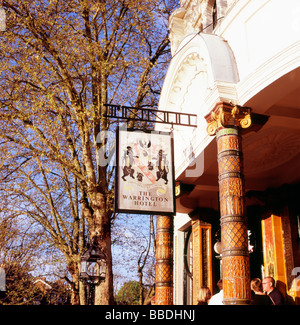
(164, 295)
(236, 301)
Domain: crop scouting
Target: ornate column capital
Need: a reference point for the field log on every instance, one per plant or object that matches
(227, 115)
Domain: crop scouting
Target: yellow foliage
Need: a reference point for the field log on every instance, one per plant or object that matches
(61, 61)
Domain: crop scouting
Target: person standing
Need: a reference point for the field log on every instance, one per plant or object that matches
(217, 299)
(269, 288)
(204, 296)
(259, 297)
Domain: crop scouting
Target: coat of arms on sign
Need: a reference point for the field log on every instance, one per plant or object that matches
(145, 170)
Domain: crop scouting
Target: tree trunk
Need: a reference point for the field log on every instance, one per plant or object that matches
(73, 269)
(141, 299)
(100, 227)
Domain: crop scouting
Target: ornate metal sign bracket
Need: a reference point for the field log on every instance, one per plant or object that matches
(151, 115)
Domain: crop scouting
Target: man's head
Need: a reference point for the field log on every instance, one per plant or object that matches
(268, 284)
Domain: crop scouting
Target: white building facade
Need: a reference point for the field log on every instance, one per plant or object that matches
(243, 53)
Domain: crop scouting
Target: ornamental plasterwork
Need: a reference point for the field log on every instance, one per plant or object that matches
(193, 16)
(188, 90)
(185, 20)
(189, 84)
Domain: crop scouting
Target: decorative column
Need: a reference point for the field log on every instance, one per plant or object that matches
(202, 256)
(164, 261)
(226, 121)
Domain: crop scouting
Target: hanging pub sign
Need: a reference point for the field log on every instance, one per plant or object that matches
(145, 172)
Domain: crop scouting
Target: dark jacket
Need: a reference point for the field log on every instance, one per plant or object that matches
(277, 297)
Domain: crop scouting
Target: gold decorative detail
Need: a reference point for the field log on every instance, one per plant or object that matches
(177, 189)
(226, 115)
(235, 111)
(212, 128)
(246, 121)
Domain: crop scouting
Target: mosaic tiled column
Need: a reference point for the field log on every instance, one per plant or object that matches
(226, 122)
(164, 261)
